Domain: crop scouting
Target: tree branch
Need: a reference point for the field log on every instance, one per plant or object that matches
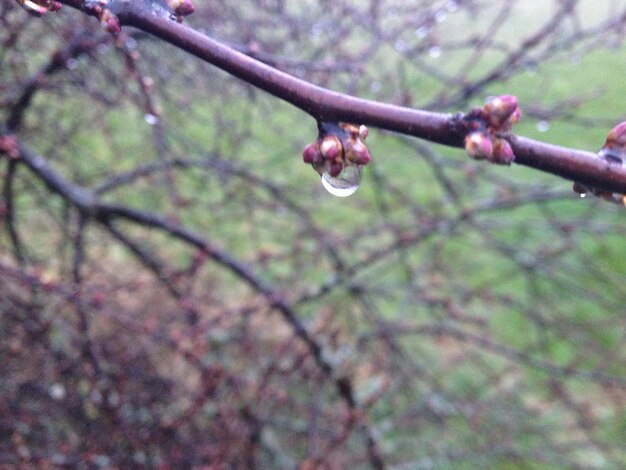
(327, 105)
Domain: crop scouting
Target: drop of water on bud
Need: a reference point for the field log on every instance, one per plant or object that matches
(345, 184)
(582, 195)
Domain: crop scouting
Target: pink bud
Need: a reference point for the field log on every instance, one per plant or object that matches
(515, 117)
(311, 154)
(181, 7)
(500, 109)
(478, 145)
(615, 146)
(363, 132)
(334, 168)
(502, 152)
(10, 146)
(110, 22)
(617, 136)
(357, 152)
(331, 147)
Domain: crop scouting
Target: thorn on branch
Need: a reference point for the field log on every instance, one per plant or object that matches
(487, 127)
(613, 153)
(338, 156)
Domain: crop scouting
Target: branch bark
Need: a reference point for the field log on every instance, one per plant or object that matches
(327, 105)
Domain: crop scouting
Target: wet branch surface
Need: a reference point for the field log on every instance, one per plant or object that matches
(326, 105)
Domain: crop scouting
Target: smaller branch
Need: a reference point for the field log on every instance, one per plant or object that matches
(9, 211)
(80, 44)
(89, 207)
(78, 257)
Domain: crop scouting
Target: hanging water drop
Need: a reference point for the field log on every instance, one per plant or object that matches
(151, 119)
(345, 183)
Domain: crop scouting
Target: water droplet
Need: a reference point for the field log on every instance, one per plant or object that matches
(435, 52)
(452, 6)
(440, 16)
(531, 67)
(580, 189)
(422, 32)
(151, 118)
(345, 184)
(400, 45)
(71, 64)
(57, 391)
(130, 42)
(543, 126)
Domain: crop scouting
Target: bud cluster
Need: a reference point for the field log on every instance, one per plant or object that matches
(486, 126)
(614, 153)
(337, 147)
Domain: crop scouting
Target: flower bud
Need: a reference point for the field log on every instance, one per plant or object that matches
(617, 136)
(615, 146)
(502, 152)
(500, 109)
(181, 7)
(312, 154)
(357, 152)
(478, 145)
(515, 117)
(331, 147)
(363, 132)
(9, 146)
(334, 168)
